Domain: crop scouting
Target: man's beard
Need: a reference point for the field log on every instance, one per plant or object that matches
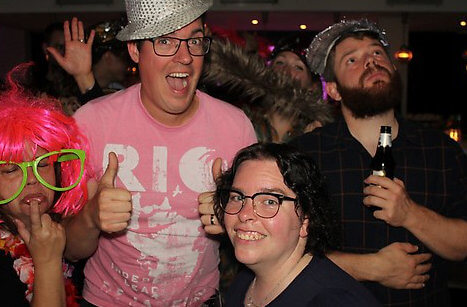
(368, 102)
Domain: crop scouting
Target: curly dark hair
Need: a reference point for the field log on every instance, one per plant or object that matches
(303, 177)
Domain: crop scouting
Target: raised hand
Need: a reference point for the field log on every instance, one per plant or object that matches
(396, 266)
(77, 60)
(112, 206)
(206, 204)
(44, 238)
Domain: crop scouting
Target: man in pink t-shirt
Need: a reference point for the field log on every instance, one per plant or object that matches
(155, 144)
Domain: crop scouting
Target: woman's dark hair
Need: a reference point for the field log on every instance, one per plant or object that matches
(302, 176)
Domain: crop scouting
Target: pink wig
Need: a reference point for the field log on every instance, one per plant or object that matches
(41, 122)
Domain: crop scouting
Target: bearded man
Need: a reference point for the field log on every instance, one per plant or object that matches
(401, 249)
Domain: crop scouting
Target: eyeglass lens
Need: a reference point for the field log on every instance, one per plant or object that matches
(265, 204)
(167, 46)
(49, 170)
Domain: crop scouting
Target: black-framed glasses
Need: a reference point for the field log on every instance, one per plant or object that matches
(42, 168)
(265, 204)
(168, 46)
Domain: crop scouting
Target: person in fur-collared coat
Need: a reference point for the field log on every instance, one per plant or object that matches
(277, 105)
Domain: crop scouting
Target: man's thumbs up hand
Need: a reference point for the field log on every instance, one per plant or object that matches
(108, 179)
(112, 206)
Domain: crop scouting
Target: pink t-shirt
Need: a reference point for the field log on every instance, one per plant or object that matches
(164, 255)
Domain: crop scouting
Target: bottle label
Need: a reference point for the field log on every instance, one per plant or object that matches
(385, 140)
(381, 173)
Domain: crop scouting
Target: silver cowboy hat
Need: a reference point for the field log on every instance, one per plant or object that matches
(153, 18)
(318, 52)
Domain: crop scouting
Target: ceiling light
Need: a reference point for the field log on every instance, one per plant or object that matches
(303, 27)
(254, 21)
(463, 23)
(404, 54)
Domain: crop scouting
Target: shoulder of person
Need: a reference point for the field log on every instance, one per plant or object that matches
(320, 135)
(330, 276)
(428, 136)
(330, 297)
(108, 101)
(338, 287)
(216, 105)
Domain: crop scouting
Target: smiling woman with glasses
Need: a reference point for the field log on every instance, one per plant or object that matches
(43, 176)
(275, 209)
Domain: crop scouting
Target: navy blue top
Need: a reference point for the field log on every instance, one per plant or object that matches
(321, 283)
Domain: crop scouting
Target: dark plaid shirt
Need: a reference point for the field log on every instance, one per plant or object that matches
(433, 168)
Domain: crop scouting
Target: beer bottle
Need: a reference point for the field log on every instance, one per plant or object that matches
(382, 163)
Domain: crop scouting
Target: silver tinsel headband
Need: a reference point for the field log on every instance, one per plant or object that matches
(319, 49)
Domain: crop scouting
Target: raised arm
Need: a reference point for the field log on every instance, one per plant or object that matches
(444, 236)
(77, 60)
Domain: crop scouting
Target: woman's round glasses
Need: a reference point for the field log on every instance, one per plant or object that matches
(58, 163)
(265, 204)
(168, 46)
